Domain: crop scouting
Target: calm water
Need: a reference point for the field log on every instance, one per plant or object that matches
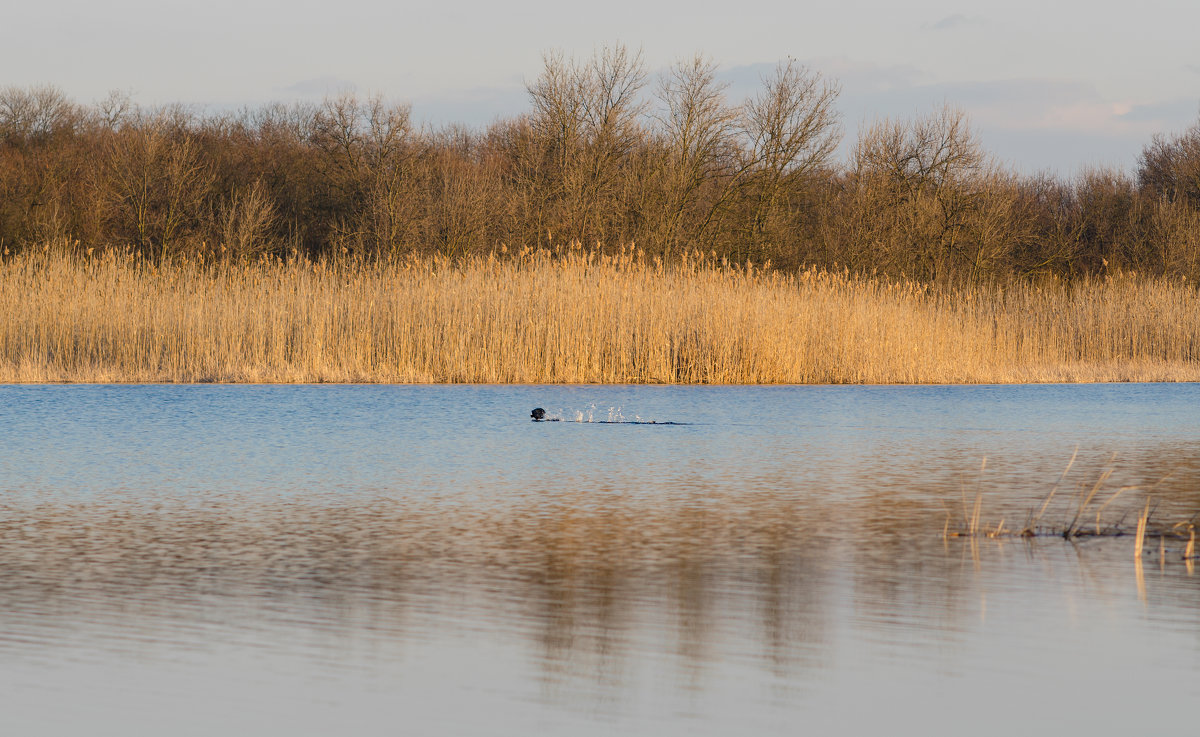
(425, 560)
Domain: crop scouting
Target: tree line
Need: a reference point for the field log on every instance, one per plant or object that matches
(605, 157)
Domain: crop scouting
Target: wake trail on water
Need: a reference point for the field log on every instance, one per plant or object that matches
(614, 416)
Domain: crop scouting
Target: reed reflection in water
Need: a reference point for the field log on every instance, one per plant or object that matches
(714, 611)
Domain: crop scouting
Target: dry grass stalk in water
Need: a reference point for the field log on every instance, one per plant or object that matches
(1031, 523)
(970, 525)
(1140, 540)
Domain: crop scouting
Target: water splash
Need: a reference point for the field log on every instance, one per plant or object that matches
(592, 413)
(613, 415)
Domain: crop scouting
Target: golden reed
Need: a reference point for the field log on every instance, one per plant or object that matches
(572, 317)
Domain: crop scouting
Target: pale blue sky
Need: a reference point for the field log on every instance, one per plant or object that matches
(1047, 85)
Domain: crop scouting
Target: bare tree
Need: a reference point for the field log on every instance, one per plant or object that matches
(792, 123)
(115, 110)
(586, 120)
(245, 219)
(699, 126)
(366, 151)
(1170, 167)
(924, 179)
(613, 82)
(792, 129)
(925, 154)
(155, 184)
(34, 114)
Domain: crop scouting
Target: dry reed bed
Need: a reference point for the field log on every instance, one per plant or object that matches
(571, 318)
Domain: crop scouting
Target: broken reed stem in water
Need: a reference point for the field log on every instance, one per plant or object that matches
(1087, 500)
(571, 317)
(973, 518)
(1032, 521)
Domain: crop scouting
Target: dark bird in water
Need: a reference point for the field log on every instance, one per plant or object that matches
(538, 414)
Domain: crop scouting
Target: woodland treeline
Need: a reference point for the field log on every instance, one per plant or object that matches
(606, 156)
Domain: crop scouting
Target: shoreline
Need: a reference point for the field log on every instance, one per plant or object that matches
(465, 384)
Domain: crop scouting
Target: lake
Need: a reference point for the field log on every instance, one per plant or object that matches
(369, 560)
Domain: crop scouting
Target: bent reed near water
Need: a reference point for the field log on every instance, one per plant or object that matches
(571, 316)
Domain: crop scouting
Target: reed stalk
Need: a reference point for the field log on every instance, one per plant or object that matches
(1140, 540)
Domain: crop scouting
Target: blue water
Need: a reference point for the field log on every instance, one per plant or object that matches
(383, 559)
(183, 440)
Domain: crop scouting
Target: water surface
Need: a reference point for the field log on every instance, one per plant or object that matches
(379, 560)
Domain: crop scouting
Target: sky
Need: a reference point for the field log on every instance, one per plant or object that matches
(1047, 86)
